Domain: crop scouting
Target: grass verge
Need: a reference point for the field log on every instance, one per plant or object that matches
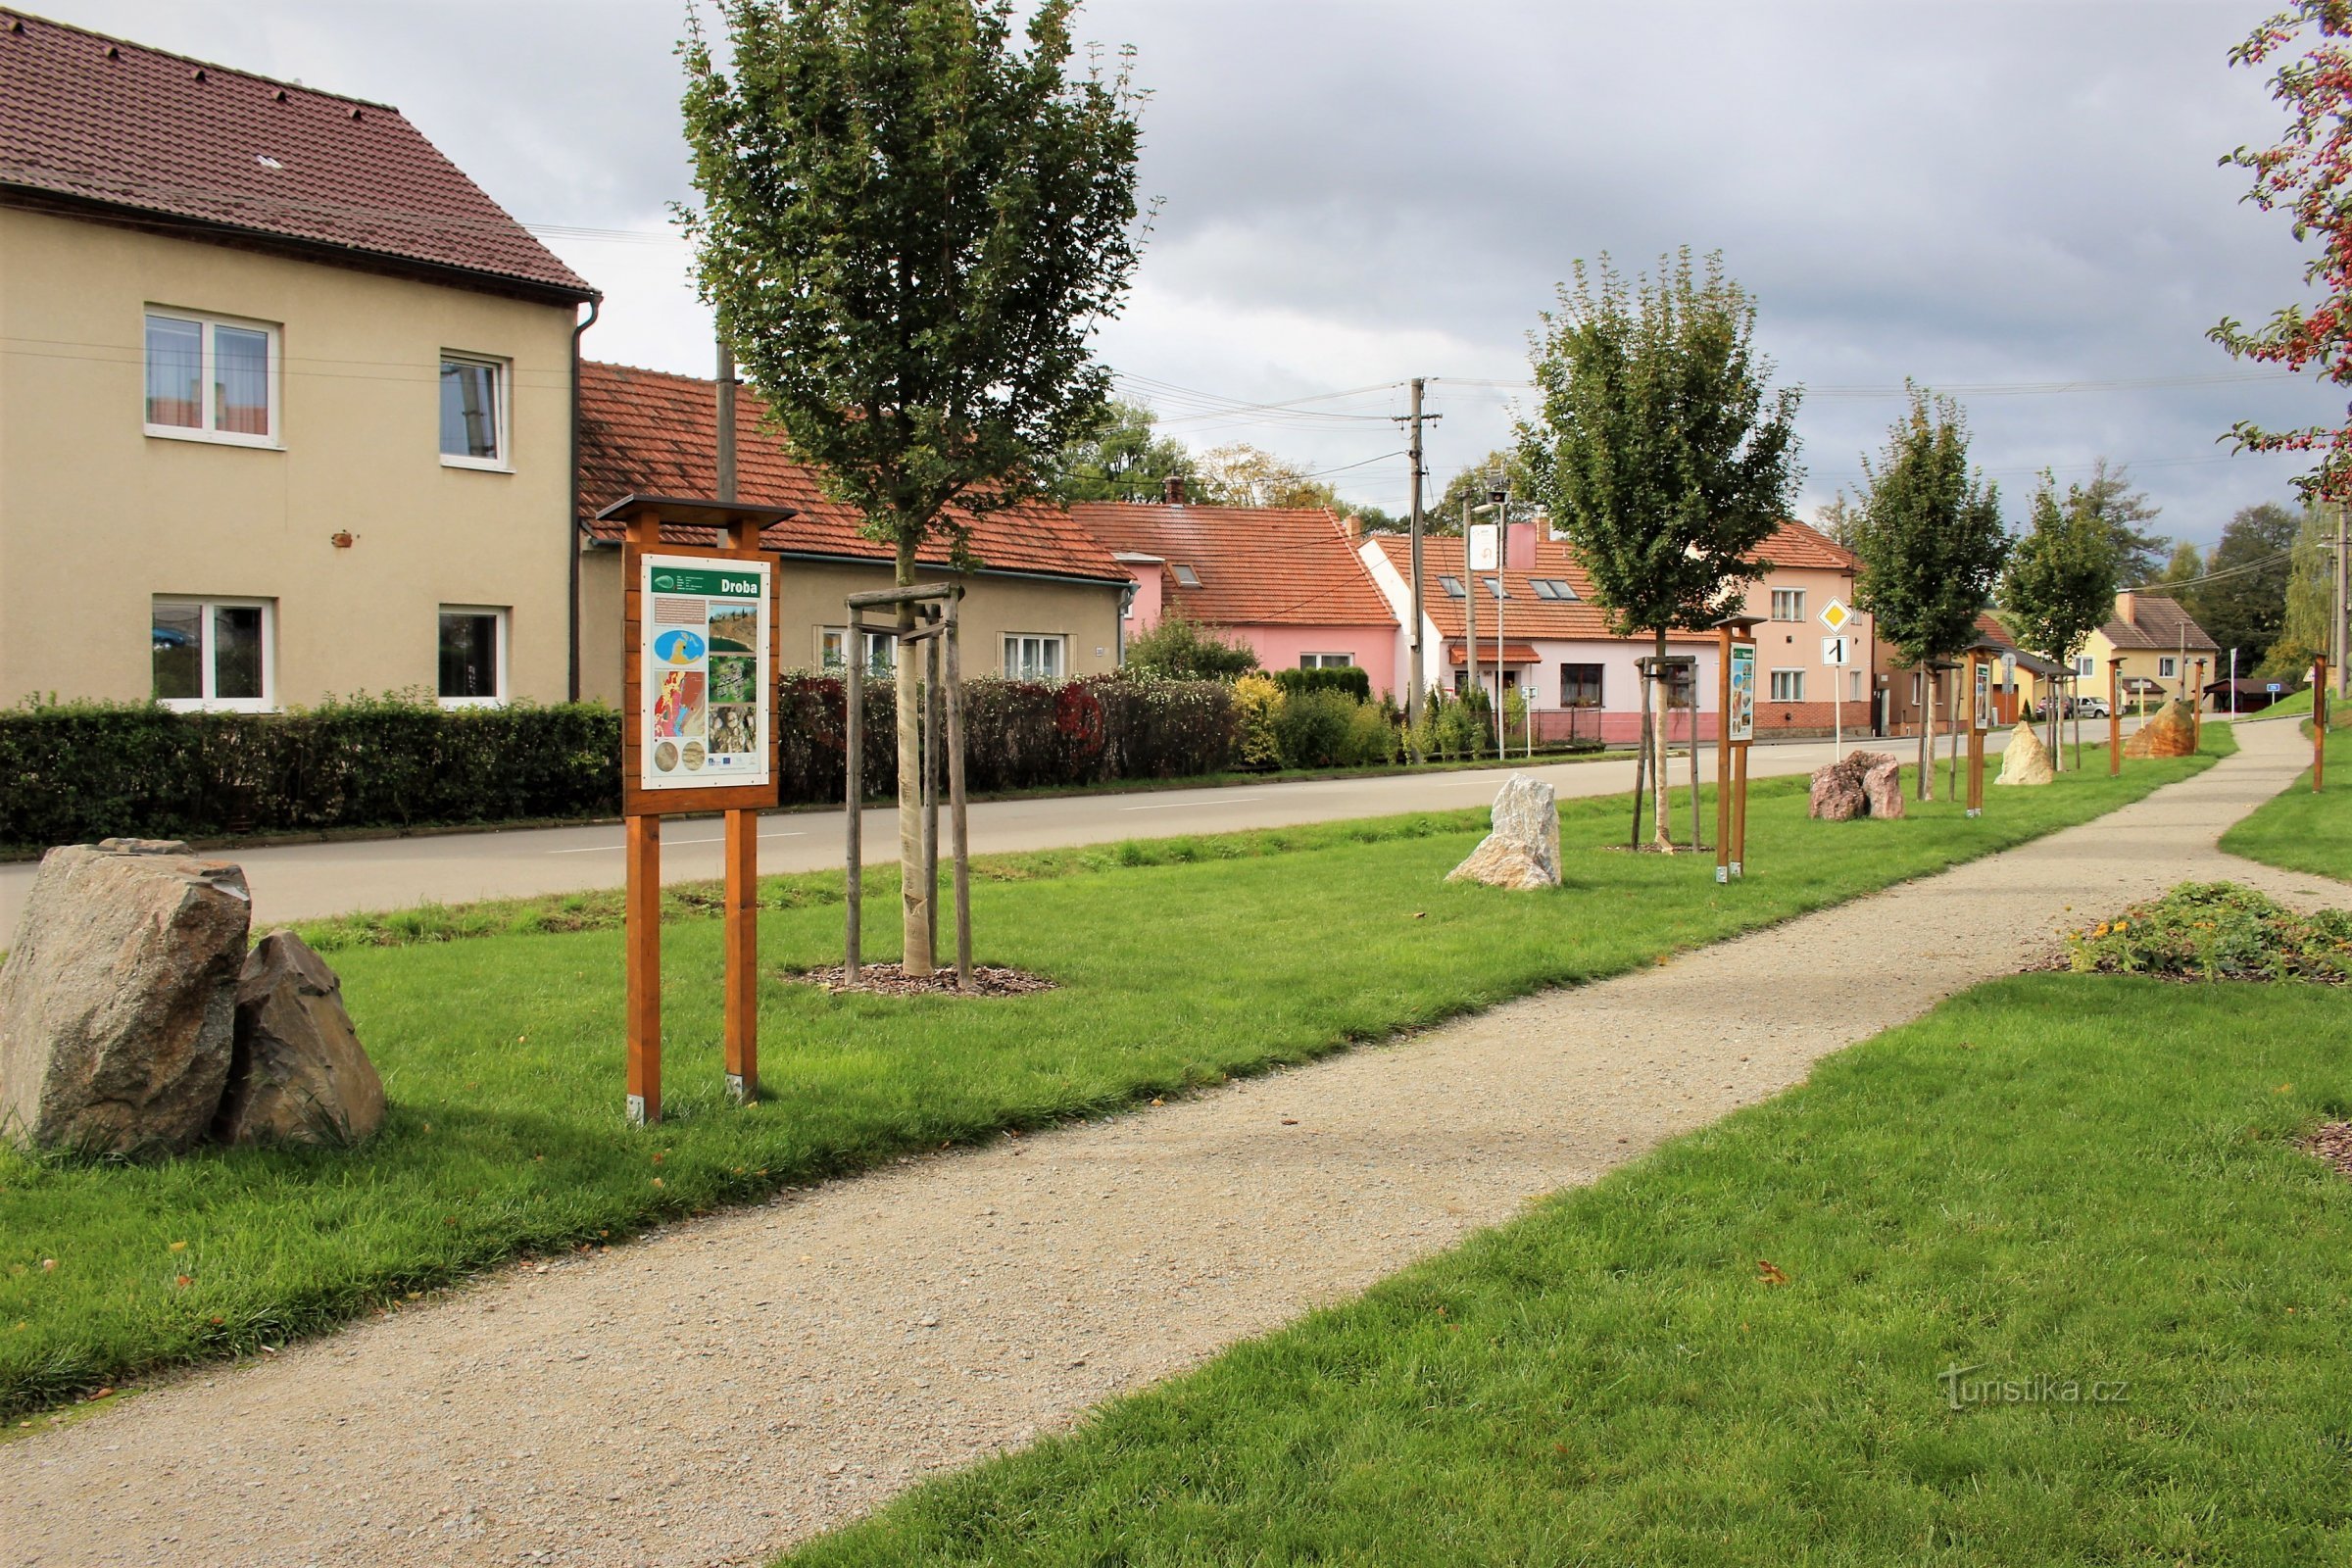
(1180, 961)
(2302, 830)
(2038, 1279)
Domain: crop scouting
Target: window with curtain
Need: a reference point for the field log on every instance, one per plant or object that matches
(211, 379)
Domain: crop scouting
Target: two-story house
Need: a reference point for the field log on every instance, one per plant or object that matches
(285, 399)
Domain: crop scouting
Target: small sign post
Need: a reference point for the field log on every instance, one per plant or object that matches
(2115, 717)
(1735, 730)
(698, 734)
(1980, 719)
(1836, 651)
(2319, 723)
(2196, 713)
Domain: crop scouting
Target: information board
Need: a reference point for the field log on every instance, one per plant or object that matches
(1742, 724)
(705, 706)
(1984, 695)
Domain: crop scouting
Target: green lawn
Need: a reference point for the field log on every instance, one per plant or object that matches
(1180, 961)
(2302, 830)
(2051, 1181)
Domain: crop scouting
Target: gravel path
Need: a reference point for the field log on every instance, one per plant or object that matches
(736, 1384)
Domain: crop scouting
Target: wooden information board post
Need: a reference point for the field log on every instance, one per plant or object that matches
(2115, 717)
(1734, 731)
(699, 633)
(1980, 719)
(2196, 712)
(2318, 721)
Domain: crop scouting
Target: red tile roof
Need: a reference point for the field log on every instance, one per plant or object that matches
(1989, 627)
(1803, 547)
(1523, 613)
(2156, 623)
(88, 119)
(650, 433)
(1257, 566)
(1512, 652)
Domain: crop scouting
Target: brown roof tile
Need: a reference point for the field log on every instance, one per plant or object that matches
(89, 118)
(650, 433)
(2157, 624)
(1801, 546)
(1257, 566)
(1524, 615)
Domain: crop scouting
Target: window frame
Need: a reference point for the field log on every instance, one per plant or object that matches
(1186, 576)
(828, 665)
(1451, 586)
(209, 673)
(1795, 599)
(1597, 685)
(502, 618)
(1326, 660)
(1499, 590)
(1796, 675)
(2085, 666)
(1060, 643)
(2168, 666)
(208, 324)
(502, 411)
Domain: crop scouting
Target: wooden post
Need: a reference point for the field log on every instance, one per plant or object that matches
(854, 788)
(643, 968)
(1723, 755)
(1976, 736)
(957, 838)
(740, 1040)
(2319, 723)
(2196, 713)
(2115, 717)
(1739, 811)
(1643, 758)
(1694, 840)
(934, 721)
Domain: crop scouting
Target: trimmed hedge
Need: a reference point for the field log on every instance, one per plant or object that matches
(76, 772)
(1349, 680)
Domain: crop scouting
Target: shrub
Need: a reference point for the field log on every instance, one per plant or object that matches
(1311, 728)
(1375, 735)
(1349, 680)
(1258, 703)
(2218, 931)
(1180, 648)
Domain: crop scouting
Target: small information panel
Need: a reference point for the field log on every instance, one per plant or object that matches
(705, 706)
(1742, 717)
(1984, 695)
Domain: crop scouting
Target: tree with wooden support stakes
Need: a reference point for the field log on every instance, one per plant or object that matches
(1661, 453)
(911, 226)
(2058, 586)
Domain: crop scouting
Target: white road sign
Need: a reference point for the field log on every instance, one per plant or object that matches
(1835, 615)
(1834, 649)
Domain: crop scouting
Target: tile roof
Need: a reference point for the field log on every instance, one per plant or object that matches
(653, 434)
(1512, 652)
(1257, 566)
(1803, 547)
(89, 118)
(2159, 625)
(1989, 627)
(1524, 615)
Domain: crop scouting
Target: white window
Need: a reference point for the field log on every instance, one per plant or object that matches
(1788, 686)
(1787, 604)
(1853, 678)
(2167, 667)
(472, 655)
(881, 652)
(1553, 588)
(474, 412)
(214, 653)
(1033, 656)
(210, 379)
(2085, 664)
(1325, 661)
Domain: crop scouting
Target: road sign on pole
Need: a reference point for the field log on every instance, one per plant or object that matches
(1835, 615)
(1836, 650)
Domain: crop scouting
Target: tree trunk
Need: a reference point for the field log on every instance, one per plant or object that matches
(915, 888)
(1663, 813)
(2051, 718)
(1927, 735)
(1954, 696)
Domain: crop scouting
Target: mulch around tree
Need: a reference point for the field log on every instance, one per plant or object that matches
(890, 980)
(2332, 1142)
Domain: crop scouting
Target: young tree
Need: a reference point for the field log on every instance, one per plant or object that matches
(1182, 649)
(1472, 484)
(1930, 542)
(1125, 459)
(1238, 475)
(2309, 173)
(909, 227)
(2308, 600)
(2243, 603)
(1836, 517)
(1659, 449)
(2058, 585)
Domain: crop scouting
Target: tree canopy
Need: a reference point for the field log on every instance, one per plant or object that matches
(2108, 497)
(2058, 583)
(2242, 601)
(1124, 459)
(1182, 649)
(1929, 534)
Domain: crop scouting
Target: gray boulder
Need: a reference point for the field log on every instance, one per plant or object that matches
(299, 1075)
(1524, 849)
(118, 1002)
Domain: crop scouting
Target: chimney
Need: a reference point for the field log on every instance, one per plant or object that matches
(2127, 607)
(1172, 490)
(1353, 525)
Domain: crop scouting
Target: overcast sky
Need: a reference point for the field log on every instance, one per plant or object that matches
(1987, 198)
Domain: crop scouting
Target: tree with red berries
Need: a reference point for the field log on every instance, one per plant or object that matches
(2309, 175)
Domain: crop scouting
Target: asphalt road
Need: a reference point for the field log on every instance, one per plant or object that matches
(303, 881)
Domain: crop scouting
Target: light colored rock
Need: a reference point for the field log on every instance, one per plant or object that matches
(119, 999)
(2172, 732)
(299, 1075)
(2026, 759)
(1524, 849)
(1883, 786)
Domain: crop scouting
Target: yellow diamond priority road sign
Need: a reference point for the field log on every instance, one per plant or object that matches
(1835, 615)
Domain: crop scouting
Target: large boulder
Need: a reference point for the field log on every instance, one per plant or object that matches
(1862, 784)
(1524, 849)
(118, 1004)
(299, 1075)
(2172, 732)
(2025, 759)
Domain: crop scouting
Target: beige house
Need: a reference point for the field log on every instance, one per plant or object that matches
(280, 386)
(2160, 644)
(1044, 601)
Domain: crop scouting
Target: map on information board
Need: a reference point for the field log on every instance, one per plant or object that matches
(1743, 718)
(705, 704)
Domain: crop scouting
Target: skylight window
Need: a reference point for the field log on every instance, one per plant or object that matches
(1453, 587)
(1494, 587)
(1186, 577)
(1553, 588)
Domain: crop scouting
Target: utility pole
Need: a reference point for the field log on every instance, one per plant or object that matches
(1469, 606)
(1412, 686)
(726, 423)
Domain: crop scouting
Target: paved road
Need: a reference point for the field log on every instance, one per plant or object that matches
(303, 881)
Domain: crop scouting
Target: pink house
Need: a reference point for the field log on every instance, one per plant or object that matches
(1285, 580)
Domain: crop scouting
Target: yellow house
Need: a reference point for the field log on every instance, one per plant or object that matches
(285, 400)
(2159, 644)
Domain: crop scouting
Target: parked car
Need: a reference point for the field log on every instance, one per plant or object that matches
(2089, 708)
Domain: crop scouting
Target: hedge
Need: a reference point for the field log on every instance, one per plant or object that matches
(80, 771)
(1349, 680)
